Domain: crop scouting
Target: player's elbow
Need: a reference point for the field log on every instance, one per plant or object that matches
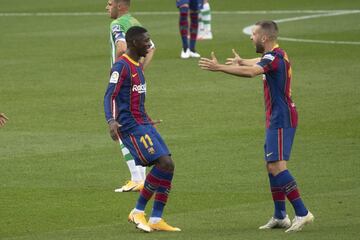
(249, 74)
(253, 72)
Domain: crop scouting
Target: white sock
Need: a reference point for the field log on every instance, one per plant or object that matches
(134, 171)
(153, 220)
(201, 24)
(206, 17)
(142, 172)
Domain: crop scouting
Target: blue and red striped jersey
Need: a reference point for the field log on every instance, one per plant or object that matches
(280, 109)
(124, 99)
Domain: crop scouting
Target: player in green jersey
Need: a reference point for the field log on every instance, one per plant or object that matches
(119, 11)
(123, 20)
(204, 30)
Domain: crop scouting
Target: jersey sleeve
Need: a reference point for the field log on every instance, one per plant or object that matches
(117, 76)
(117, 32)
(268, 62)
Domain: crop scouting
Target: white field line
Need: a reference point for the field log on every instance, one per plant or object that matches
(317, 41)
(49, 14)
(248, 30)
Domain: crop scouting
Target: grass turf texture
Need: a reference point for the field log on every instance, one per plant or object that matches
(59, 166)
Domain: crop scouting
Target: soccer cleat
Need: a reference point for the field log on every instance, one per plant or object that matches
(185, 54)
(194, 54)
(131, 186)
(163, 226)
(299, 222)
(277, 223)
(139, 187)
(138, 218)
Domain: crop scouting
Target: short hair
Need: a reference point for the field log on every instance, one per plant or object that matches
(270, 28)
(126, 2)
(134, 33)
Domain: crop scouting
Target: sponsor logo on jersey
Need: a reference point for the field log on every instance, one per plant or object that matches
(139, 88)
(269, 56)
(114, 77)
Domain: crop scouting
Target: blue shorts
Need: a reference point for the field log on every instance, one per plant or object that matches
(194, 5)
(145, 144)
(278, 143)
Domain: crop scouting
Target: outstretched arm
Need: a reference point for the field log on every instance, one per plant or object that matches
(242, 71)
(238, 61)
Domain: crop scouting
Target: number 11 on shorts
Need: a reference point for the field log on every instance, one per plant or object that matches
(146, 140)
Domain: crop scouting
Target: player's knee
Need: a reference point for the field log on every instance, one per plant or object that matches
(166, 163)
(276, 167)
(271, 168)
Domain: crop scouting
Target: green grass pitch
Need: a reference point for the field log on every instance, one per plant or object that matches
(59, 166)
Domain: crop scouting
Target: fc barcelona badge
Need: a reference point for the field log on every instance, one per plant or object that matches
(151, 150)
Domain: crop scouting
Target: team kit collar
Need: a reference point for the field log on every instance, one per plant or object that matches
(131, 60)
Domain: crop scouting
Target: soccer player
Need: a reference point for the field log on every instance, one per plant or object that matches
(123, 20)
(3, 119)
(124, 105)
(204, 31)
(281, 119)
(119, 11)
(185, 7)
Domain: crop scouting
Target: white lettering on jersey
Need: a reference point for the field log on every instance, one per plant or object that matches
(139, 88)
(114, 77)
(269, 56)
(115, 28)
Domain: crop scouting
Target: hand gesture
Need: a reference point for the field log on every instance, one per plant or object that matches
(209, 64)
(3, 119)
(113, 128)
(236, 60)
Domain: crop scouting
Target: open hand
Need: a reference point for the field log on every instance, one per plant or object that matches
(3, 119)
(209, 64)
(114, 128)
(236, 60)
